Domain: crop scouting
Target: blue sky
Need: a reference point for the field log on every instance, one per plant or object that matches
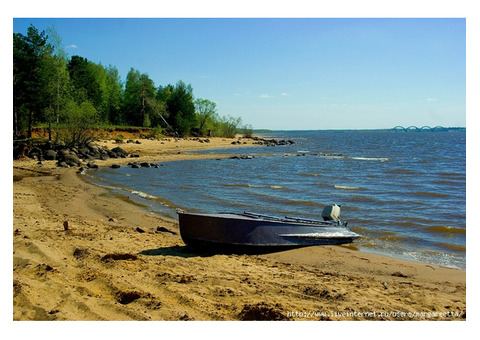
(291, 73)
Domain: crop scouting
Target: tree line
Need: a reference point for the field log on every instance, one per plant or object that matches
(68, 94)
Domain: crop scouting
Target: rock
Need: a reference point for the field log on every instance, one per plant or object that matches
(262, 312)
(115, 166)
(92, 146)
(140, 230)
(119, 151)
(71, 159)
(145, 165)
(92, 165)
(50, 155)
(83, 152)
(185, 317)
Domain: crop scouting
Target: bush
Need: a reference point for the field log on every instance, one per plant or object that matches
(80, 123)
(226, 127)
(247, 131)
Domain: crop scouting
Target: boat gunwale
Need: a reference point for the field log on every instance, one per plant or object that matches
(263, 218)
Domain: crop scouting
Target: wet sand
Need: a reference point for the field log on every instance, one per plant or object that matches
(117, 261)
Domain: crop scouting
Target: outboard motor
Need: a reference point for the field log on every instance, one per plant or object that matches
(331, 213)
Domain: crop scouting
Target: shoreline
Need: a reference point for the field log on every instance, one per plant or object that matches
(120, 262)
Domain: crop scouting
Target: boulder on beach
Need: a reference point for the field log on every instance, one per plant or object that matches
(119, 151)
(50, 155)
(71, 159)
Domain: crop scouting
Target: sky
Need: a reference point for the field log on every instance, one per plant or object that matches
(290, 73)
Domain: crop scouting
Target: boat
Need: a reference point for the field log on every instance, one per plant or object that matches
(251, 232)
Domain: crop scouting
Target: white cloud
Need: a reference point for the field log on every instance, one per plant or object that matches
(286, 94)
(72, 46)
(265, 96)
(431, 99)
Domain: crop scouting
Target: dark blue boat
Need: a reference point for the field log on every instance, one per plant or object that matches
(253, 232)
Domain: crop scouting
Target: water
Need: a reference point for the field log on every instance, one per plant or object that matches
(403, 191)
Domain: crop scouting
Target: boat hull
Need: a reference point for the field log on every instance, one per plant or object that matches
(241, 233)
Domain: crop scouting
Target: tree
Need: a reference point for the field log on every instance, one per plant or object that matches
(205, 110)
(181, 108)
(138, 89)
(82, 75)
(114, 95)
(56, 80)
(56, 89)
(28, 86)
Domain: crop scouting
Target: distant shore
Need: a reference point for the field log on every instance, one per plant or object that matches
(82, 253)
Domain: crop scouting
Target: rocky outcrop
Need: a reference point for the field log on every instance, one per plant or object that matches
(272, 142)
(67, 156)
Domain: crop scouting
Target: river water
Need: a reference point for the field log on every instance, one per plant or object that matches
(404, 192)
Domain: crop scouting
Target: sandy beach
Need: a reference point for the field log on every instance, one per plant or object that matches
(117, 261)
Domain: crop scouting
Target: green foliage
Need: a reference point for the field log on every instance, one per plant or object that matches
(51, 89)
(206, 112)
(139, 88)
(226, 127)
(114, 95)
(28, 83)
(80, 119)
(181, 108)
(247, 131)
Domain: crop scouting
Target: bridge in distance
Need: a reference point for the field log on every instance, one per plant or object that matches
(419, 129)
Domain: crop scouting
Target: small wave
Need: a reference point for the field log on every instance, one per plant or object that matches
(242, 185)
(407, 224)
(343, 187)
(277, 187)
(362, 199)
(401, 171)
(320, 184)
(393, 238)
(309, 175)
(452, 175)
(142, 194)
(371, 159)
(446, 182)
(439, 258)
(447, 230)
(454, 247)
(303, 203)
(334, 156)
(428, 194)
